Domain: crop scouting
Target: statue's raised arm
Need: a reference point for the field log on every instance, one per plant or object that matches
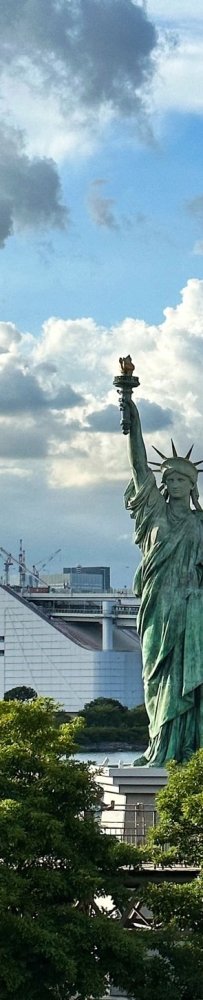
(136, 448)
(130, 421)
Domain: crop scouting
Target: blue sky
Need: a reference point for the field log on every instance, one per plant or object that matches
(101, 228)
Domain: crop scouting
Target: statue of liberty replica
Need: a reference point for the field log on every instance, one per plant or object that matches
(169, 583)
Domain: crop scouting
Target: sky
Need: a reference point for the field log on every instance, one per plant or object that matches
(101, 251)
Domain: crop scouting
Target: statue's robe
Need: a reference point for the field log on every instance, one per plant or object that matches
(169, 582)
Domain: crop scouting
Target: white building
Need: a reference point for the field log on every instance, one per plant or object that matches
(60, 660)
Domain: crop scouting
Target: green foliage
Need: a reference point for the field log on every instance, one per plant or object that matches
(180, 809)
(56, 868)
(107, 721)
(54, 861)
(20, 694)
(177, 930)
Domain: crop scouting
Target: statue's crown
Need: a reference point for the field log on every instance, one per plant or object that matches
(177, 463)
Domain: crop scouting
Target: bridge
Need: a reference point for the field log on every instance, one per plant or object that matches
(123, 611)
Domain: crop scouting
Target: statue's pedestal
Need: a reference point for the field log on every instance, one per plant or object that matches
(129, 800)
(139, 781)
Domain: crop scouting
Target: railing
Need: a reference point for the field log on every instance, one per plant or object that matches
(129, 822)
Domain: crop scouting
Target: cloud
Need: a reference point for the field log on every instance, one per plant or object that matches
(168, 360)
(153, 416)
(10, 338)
(22, 442)
(102, 47)
(64, 471)
(178, 84)
(20, 392)
(105, 421)
(30, 189)
(75, 65)
(195, 207)
(61, 384)
(65, 398)
(198, 248)
(101, 209)
(182, 12)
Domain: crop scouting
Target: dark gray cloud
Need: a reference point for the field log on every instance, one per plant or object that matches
(103, 48)
(106, 421)
(153, 417)
(20, 392)
(46, 368)
(30, 191)
(101, 209)
(38, 437)
(66, 398)
(22, 442)
(92, 53)
(59, 429)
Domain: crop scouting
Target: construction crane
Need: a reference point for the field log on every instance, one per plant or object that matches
(43, 564)
(8, 562)
(34, 568)
(22, 566)
(18, 563)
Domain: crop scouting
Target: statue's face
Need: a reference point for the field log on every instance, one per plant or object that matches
(178, 486)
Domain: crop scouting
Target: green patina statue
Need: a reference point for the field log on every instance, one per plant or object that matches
(169, 582)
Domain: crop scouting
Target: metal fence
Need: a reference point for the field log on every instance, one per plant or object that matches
(132, 827)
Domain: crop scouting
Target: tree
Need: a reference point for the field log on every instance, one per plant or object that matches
(178, 909)
(180, 811)
(104, 711)
(57, 940)
(108, 721)
(54, 862)
(22, 693)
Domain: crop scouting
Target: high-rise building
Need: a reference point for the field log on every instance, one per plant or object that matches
(89, 579)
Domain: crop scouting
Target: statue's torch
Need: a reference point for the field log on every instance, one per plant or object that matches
(125, 383)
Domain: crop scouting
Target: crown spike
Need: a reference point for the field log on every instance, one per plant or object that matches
(198, 463)
(189, 452)
(175, 454)
(159, 452)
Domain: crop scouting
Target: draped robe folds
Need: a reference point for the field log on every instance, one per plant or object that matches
(169, 582)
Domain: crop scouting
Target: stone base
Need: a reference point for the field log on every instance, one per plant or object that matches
(129, 800)
(139, 781)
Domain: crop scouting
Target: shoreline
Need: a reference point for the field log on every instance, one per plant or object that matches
(110, 747)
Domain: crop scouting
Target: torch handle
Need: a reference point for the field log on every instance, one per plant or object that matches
(125, 385)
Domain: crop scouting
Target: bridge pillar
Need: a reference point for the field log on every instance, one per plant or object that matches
(107, 625)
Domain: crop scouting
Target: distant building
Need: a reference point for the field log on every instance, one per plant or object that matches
(88, 579)
(73, 656)
(76, 579)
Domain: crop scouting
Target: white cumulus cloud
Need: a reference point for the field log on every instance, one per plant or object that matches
(63, 383)
(63, 458)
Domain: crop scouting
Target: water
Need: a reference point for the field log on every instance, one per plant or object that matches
(111, 757)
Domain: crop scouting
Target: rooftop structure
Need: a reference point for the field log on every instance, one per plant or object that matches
(88, 578)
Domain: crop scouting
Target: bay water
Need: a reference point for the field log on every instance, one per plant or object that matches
(111, 757)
